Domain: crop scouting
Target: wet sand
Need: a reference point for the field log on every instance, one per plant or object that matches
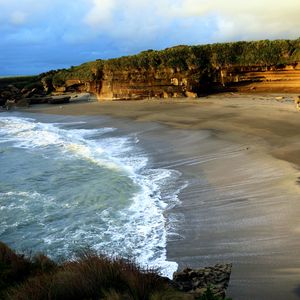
(240, 155)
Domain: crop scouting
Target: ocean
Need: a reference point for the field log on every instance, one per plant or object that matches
(74, 183)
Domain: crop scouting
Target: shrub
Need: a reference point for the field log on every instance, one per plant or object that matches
(89, 277)
(15, 268)
(19, 81)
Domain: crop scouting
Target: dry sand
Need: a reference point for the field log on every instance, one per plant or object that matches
(240, 155)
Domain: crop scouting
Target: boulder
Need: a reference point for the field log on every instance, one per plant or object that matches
(191, 94)
(29, 94)
(297, 102)
(2, 101)
(198, 281)
(38, 99)
(59, 100)
(23, 103)
(61, 89)
(7, 95)
(13, 89)
(9, 104)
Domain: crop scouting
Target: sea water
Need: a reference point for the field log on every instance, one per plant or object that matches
(67, 186)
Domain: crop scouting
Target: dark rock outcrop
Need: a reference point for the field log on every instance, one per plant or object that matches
(59, 100)
(20, 97)
(9, 93)
(198, 281)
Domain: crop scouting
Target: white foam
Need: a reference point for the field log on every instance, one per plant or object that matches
(25, 133)
(140, 229)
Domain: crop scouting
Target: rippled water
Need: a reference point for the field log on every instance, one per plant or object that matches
(64, 187)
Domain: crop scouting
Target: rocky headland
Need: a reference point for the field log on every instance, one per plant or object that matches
(181, 71)
(199, 281)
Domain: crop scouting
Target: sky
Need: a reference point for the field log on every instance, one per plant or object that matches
(41, 35)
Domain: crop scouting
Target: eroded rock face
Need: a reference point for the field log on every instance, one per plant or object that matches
(174, 83)
(144, 84)
(198, 281)
(285, 78)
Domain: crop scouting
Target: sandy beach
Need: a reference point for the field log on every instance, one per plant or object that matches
(240, 157)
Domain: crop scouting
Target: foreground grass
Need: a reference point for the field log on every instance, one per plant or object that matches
(90, 276)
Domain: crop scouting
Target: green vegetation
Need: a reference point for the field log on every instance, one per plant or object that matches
(87, 72)
(90, 276)
(20, 82)
(201, 59)
(260, 53)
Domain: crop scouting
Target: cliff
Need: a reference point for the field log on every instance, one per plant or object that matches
(174, 83)
(282, 78)
(186, 71)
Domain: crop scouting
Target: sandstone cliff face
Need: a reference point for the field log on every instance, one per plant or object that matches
(263, 79)
(173, 83)
(138, 84)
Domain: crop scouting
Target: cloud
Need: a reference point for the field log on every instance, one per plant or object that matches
(18, 12)
(143, 19)
(74, 31)
(192, 21)
(245, 19)
(138, 24)
(100, 13)
(18, 17)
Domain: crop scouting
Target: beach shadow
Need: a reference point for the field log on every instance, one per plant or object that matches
(298, 181)
(297, 291)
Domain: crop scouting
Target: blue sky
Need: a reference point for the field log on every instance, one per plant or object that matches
(39, 35)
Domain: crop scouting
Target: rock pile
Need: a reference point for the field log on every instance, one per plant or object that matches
(297, 102)
(9, 93)
(12, 96)
(198, 281)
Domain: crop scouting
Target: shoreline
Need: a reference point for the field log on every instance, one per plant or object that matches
(238, 153)
(271, 124)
